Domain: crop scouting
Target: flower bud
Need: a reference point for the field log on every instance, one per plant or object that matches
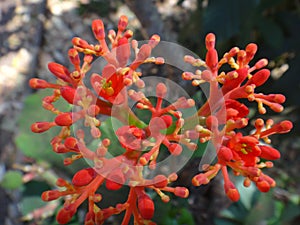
(263, 186)
(64, 119)
(269, 153)
(68, 93)
(84, 177)
(145, 206)
(210, 41)
(160, 181)
(123, 21)
(59, 71)
(71, 143)
(233, 194)
(251, 49)
(50, 195)
(40, 127)
(65, 214)
(175, 149)
(260, 77)
(74, 57)
(98, 29)
(40, 84)
(161, 90)
(225, 154)
(115, 180)
(200, 179)
(181, 192)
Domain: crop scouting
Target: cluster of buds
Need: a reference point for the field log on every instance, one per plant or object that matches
(226, 116)
(165, 133)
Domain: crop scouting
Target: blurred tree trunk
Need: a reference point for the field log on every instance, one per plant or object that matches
(152, 23)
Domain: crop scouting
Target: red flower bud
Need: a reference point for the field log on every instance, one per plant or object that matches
(65, 214)
(200, 179)
(269, 153)
(84, 177)
(59, 71)
(181, 192)
(39, 127)
(225, 154)
(212, 59)
(80, 43)
(41, 84)
(231, 84)
(161, 90)
(144, 52)
(71, 143)
(115, 180)
(98, 29)
(233, 194)
(231, 191)
(123, 21)
(175, 148)
(74, 57)
(68, 94)
(160, 181)
(50, 195)
(210, 41)
(154, 40)
(263, 186)
(260, 77)
(146, 206)
(64, 119)
(251, 49)
(89, 218)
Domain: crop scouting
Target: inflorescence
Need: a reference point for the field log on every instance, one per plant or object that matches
(220, 120)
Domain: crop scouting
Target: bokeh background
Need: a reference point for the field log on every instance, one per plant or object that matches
(36, 32)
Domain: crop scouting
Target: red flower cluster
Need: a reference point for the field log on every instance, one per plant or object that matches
(241, 153)
(218, 120)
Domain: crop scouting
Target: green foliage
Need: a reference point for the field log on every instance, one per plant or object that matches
(173, 213)
(32, 196)
(12, 180)
(259, 208)
(37, 146)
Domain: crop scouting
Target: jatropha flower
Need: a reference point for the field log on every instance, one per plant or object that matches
(220, 120)
(225, 116)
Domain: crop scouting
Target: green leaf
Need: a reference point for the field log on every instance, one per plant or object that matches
(12, 180)
(37, 146)
(31, 196)
(185, 217)
(225, 18)
(271, 32)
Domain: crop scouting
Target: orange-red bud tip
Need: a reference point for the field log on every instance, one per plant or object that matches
(269, 153)
(50, 195)
(263, 186)
(39, 127)
(64, 119)
(210, 41)
(200, 179)
(161, 90)
(181, 192)
(65, 214)
(175, 148)
(98, 29)
(233, 194)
